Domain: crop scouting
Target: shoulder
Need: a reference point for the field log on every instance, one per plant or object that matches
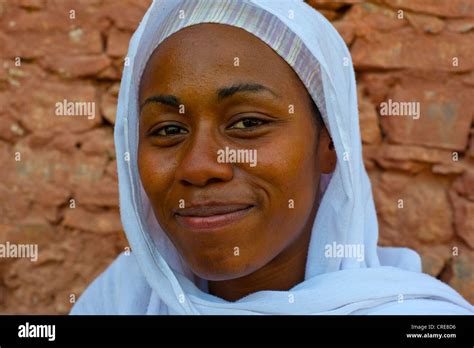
(120, 289)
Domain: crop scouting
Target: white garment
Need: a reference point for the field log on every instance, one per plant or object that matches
(153, 279)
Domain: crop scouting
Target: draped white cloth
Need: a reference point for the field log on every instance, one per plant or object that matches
(153, 279)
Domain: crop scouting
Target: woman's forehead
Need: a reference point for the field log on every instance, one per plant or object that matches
(212, 54)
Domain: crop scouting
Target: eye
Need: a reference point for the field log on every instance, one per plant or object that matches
(169, 130)
(246, 123)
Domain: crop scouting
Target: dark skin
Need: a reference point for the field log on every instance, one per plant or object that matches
(265, 247)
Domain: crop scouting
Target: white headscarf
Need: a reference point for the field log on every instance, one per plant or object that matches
(153, 279)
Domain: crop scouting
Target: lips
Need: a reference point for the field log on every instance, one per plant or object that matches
(213, 215)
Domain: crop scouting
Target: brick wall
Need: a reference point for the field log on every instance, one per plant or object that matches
(50, 50)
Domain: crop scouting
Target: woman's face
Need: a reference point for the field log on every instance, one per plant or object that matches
(210, 91)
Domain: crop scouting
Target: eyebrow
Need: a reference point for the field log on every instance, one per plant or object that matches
(227, 92)
(170, 100)
(222, 93)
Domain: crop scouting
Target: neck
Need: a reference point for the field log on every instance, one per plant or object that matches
(281, 274)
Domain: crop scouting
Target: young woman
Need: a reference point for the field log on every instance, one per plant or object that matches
(242, 185)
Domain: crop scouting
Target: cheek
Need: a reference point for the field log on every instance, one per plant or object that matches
(289, 164)
(290, 173)
(156, 172)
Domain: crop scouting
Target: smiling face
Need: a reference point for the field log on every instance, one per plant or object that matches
(207, 92)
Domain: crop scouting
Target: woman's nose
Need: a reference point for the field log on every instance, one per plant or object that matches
(199, 165)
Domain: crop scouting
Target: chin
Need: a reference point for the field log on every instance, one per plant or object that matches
(220, 269)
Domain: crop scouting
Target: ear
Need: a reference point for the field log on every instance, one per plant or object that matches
(326, 152)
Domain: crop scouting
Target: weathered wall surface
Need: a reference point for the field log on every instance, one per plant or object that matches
(58, 183)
